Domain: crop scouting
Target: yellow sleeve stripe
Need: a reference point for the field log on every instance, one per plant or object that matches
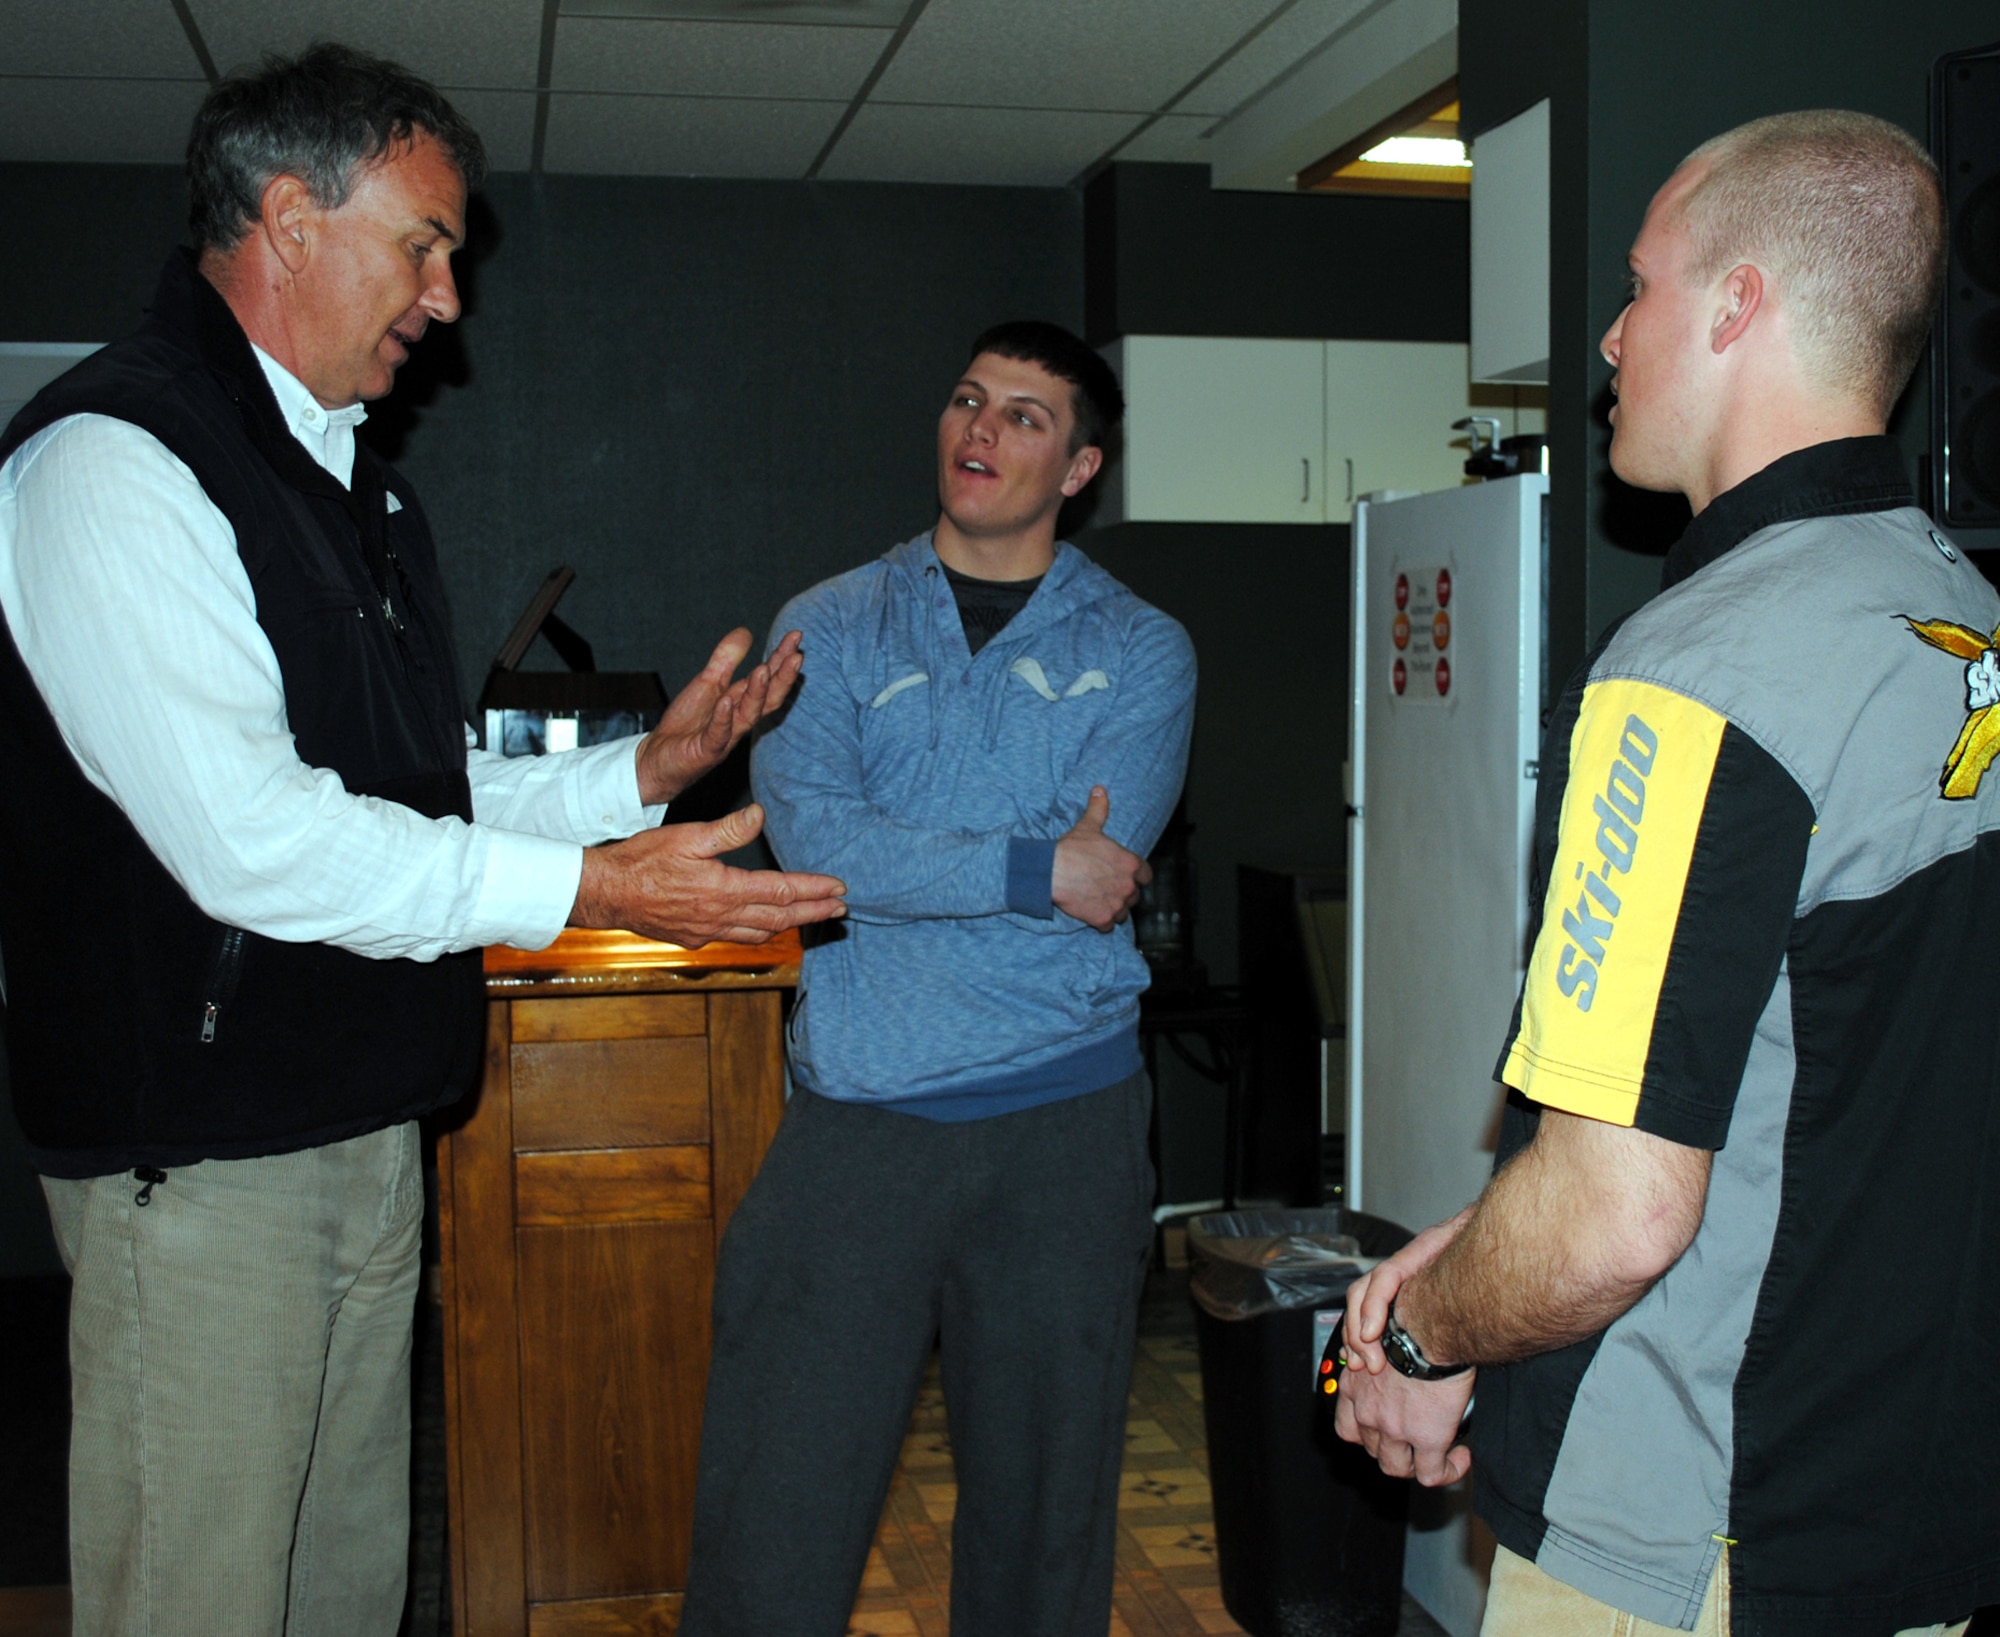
(1641, 761)
(1567, 1086)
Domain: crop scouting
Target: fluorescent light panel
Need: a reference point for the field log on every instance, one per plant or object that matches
(1441, 152)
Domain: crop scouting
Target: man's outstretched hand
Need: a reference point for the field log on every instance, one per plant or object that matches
(708, 718)
(1096, 880)
(671, 884)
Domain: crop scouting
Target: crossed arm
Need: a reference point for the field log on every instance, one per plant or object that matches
(809, 773)
(1567, 1236)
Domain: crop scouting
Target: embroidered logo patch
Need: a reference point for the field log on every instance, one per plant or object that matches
(1979, 739)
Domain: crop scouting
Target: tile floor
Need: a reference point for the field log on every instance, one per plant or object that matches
(1166, 1583)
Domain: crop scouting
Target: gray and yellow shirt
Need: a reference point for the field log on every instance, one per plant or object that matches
(1769, 897)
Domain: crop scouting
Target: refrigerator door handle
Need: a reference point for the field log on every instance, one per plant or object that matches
(1350, 481)
(1306, 476)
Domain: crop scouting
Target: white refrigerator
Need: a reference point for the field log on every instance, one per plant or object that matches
(1447, 690)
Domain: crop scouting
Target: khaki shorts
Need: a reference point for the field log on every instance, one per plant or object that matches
(1525, 1602)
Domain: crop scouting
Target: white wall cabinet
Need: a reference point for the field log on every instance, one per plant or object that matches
(1222, 430)
(1510, 250)
(1219, 431)
(1389, 409)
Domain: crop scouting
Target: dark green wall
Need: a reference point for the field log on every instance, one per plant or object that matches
(83, 246)
(1168, 255)
(707, 395)
(1634, 85)
(1267, 609)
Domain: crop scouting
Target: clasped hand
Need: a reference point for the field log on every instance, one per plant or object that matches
(1410, 1427)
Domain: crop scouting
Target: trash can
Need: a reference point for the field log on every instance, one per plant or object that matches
(1308, 1530)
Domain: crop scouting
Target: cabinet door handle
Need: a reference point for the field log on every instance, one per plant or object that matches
(1350, 482)
(1306, 467)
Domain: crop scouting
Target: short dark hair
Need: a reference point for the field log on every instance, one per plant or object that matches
(1095, 398)
(321, 116)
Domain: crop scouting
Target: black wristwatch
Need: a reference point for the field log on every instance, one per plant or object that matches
(1408, 1358)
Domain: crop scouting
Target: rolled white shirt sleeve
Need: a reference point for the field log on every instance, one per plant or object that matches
(588, 795)
(125, 595)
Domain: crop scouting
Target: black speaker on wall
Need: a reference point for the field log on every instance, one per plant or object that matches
(1965, 344)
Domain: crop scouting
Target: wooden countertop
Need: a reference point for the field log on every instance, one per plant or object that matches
(584, 962)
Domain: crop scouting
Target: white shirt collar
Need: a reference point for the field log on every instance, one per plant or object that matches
(325, 434)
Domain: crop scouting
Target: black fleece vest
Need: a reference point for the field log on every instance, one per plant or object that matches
(139, 1030)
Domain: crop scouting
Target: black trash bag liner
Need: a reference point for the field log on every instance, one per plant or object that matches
(1248, 1263)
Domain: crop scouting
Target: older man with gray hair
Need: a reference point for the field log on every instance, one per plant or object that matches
(251, 863)
(1754, 1104)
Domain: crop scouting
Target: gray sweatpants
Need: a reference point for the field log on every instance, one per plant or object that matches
(1020, 1243)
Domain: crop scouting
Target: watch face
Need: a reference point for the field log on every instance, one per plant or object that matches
(1402, 1355)
(1408, 1358)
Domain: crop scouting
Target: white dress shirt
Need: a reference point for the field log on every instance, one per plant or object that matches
(122, 586)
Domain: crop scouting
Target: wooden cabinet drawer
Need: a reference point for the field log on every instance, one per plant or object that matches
(609, 1093)
(568, 1189)
(618, 1071)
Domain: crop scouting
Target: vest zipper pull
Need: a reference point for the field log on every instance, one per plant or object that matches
(222, 980)
(150, 1175)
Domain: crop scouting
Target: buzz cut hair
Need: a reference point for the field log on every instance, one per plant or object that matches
(1845, 212)
(1096, 401)
(323, 116)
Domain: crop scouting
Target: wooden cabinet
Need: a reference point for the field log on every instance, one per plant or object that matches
(630, 1091)
(1221, 430)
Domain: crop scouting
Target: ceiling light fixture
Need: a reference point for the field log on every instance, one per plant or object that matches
(1415, 150)
(1441, 152)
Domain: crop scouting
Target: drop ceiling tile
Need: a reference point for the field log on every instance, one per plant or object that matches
(505, 121)
(141, 38)
(118, 122)
(1172, 139)
(1012, 147)
(840, 13)
(607, 135)
(457, 42)
(1109, 54)
(1289, 40)
(714, 59)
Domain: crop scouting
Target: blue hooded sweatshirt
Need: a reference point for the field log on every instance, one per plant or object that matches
(936, 783)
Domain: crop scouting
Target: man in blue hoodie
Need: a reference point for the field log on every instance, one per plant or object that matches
(989, 736)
